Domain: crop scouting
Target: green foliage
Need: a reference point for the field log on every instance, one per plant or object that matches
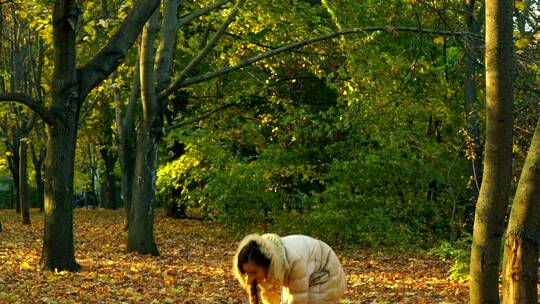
(459, 252)
(354, 140)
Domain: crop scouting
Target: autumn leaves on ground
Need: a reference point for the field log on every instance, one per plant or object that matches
(193, 267)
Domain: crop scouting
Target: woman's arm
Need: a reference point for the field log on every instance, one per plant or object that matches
(298, 284)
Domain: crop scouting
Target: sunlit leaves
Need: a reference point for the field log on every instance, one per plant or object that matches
(522, 43)
(520, 5)
(438, 40)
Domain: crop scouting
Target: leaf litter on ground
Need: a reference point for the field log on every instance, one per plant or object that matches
(193, 267)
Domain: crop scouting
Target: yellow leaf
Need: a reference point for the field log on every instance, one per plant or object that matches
(520, 5)
(438, 40)
(26, 266)
(522, 43)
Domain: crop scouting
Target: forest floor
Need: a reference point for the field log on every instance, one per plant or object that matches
(194, 267)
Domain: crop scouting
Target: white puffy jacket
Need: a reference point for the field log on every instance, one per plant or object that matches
(306, 270)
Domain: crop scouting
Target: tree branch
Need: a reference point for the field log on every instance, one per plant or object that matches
(30, 102)
(199, 118)
(187, 19)
(112, 54)
(197, 79)
(204, 52)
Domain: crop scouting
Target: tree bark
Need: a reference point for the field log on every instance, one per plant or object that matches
(37, 158)
(13, 164)
(520, 262)
(141, 223)
(125, 123)
(493, 199)
(58, 247)
(23, 182)
(109, 181)
(70, 86)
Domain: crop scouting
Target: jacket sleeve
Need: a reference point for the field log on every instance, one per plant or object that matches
(298, 283)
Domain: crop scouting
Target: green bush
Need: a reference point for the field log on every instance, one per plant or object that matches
(459, 252)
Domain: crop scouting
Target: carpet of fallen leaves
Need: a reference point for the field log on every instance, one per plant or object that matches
(193, 267)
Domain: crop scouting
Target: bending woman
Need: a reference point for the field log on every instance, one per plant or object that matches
(305, 270)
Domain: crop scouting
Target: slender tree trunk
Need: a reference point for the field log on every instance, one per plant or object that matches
(472, 122)
(493, 199)
(141, 223)
(23, 182)
(13, 161)
(125, 123)
(109, 181)
(38, 158)
(520, 263)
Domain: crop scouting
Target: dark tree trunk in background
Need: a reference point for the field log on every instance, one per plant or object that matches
(109, 181)
(23, 182)
(38, 159)
(471, 114)
(13, 164)
(125, 124)
(494, 192)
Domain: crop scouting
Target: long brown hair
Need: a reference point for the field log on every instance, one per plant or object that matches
(253, 295)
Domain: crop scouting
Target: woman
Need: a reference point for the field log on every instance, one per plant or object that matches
(306, 270)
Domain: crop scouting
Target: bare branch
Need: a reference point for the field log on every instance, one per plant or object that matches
(32, 103)
(197, 79)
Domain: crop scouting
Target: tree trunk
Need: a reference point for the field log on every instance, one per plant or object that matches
(125, 123)
(37, 159)
(472, 122)
(23, 182)
(493, 199)
(109, 181)
(58, 248)
(13, 162)
(141, 223)
(70, 86)
(520, 263)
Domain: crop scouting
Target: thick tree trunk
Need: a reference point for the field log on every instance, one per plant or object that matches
(69, 88)
(493, 199)
(141, 223)
(58, 247)
(520, 263)
(23, 182)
